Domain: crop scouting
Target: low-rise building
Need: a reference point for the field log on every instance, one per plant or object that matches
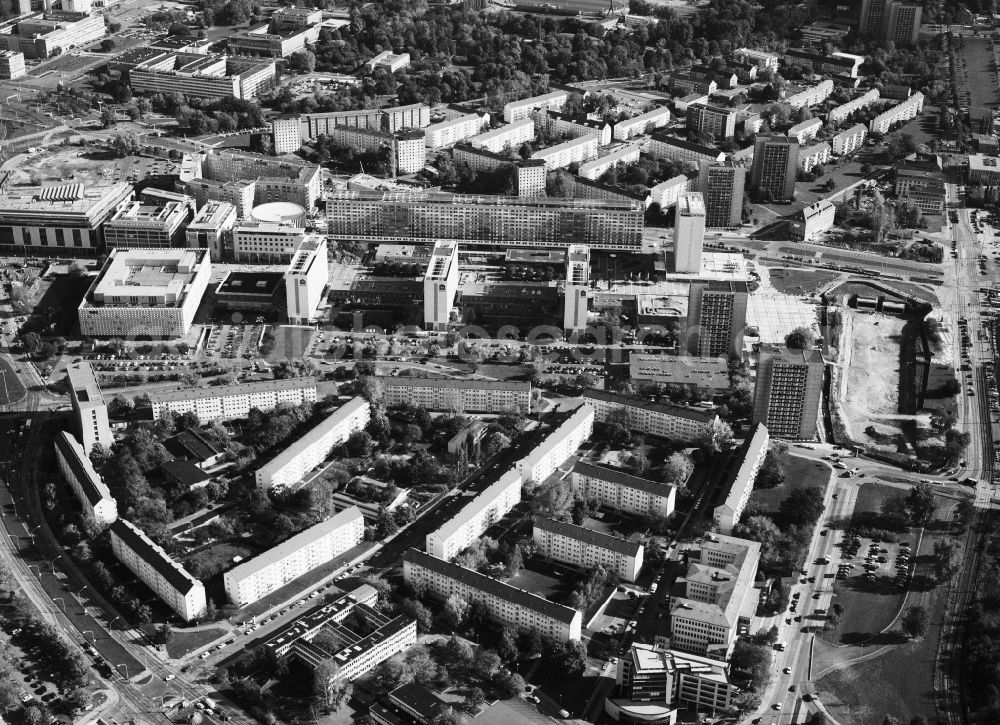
(676, 422)
(317, 545)
(900, 113)
(503, 603)
(736, 477)
(454, 130)
(819, 62)
(596, 168)
(575, 151)
(813, 220)
(472, 521)
(810, 96)
(272, 40)
(667, 192)
(206, 76)
(517, 110)
(662, 146)
(842, 112)
(555, 124)
(389, 61)
(760, 58)
(462, 396)
(556, 448)
(508, 136)
(295, 461)
(644, 123)
(849, 141)
(707, 373)
(92, 493)
(153, 566)
(805, 131)
(258, 242)
(984, 170)
(581, 547)
(233, 402)
(622, 491)
(146, 225)
(212, 228)
(46, 34)
(11, 64)
(813, 156)
(717, 121)
(922, 183)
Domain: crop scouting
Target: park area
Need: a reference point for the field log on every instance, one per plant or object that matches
(11, 389)
(800, 473)
(792, 281)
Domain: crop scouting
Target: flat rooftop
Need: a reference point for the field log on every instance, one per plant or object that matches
(131, 274)
(265, 284)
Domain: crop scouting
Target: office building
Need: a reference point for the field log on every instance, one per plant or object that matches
(689, 232)
(812, 156)
(643, 124)
(715, 600)
(440, 286)
(289, 31)
(529, 173)
(253, 293)
(46, 34)
(902, 25)
(715, 121)
(577, 291)
(736, 476)
(233, 402)
(255, 579)
(467, 395)
(760, 58)
(11, 64)
(788, 391)
(811, 96)
(984, 170)
(842, 112)
(717, 313)
(900, 113)
(653, 683)
(722, 189)
(212, 228)
(675, 422)
(470, 523)
(206, 76)
(503, 603)
(389, 61)
(90, 412)
(581, 547)
(596, 168)
(575, 151)
(454, 130)
(805, 131)
(813, 220)
(153, 566)
(775, 161)
(92, 493)
(662, 146)
(305, 281)
(849, 141)
(555, 125)
(147, 226)
(420, 217)
(518, 110)
(267, 242)
(557, 446)
(363, 636)
(666, 193)
(145, 293)
(620, 491)
(508, 136)
(295, 461)
(922, 183)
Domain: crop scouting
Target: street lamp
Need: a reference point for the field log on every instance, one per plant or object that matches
(60, 599)
(37, 568)
(122, 664)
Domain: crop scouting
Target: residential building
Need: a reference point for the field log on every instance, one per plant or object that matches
(255, 579)
(508, 136)
(667, 192)
(813, 220)
(276, 179)
(90, 412)
(900, 113)
(305, 281)
(760, 58)
(707, 373)
(554, 124)
(662, 146)
(653, 683)
(470, 523)
(722, 189)
(46, 34)
(212, 229)
(364, 636)
(716, 599)
(596, 168)
(717, 121)
(621, 491)
(689, 232)
(295, 461)
(145, 292)
(675, 422)
(233, 402)
(984, 170)
(805, 131)
(819, 62)
(812, 156)
(454, 130)
(902, 23)
(440, 285)
(577, 294)
(389, 120)
(517, 110)
(92, 493)
(468, 395)
(11, 64)
(505, 604)
(530, 173)
(153, 566)
(557, 446)
(581, 547)
(736, 476)
(587, 189)
(408, 152)
(873, 17)
(389, 61)
(192, 445)
(922, 183)
(788, 391)
(147, 226)
(575, 151)
(412, 115)
(849, 141)
(842, 112)
(206, 76)
(66, 219)
(685, 83)
(419, 217)
(811, 96)
(237, 194)
(183, 475)
(775, 161)
(717, 313)
(644, 123)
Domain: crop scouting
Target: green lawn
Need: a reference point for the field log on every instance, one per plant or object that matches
(800, 473)
(871, 495)
(184, 642)
(800, 281)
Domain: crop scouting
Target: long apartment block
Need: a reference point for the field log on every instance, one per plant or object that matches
(79, 472)
(557, 447)
(472, 396)
(231, 402)
(504, 604)
(676, 422)
(317, 545)
(90, 412)
(622, 491)
(737, 476)
(587, 549)
(484, 510)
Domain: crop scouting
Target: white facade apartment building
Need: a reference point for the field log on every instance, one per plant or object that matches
(146, 292)
(574, 151)
(90, 490)
(813, 220)
(850, 140)
(484, 510)
(90, 412)
(454, 130)
(587, 549)
(530, 173)
(675, 422)
(841, 112)
(287, 135)
(666, 193)
(463, 396)
(904, 111)
(738, 478)
(317, 545)
(11, 64)
(505, 604)
(812, 156)
(622, 491)
(642, 124)
(557, 447)
(305, 281)
(153, 566)
(810, 96)
(510, 135)
(593, 170)
(805, 131)
(310, 450)
(662, 146)
(517, 110)
(408, 150)
(233, 402)
(556, 124)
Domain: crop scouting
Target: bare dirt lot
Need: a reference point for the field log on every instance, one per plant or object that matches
(873, 375)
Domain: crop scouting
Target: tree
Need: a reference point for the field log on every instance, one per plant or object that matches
(474, 700)
(772, 470)
(107, 117)
(510, 684)
(507, 646)
(677, 469)
(487, 663)
(572, 659)
(31, 342)
(329, 690)
(801, 338)
(763, 530)
(920, 504)
(359, 444)
(385, 523)
(163, 634)
(914, 622)
(458, 655)
(455, 611)
(803, 506)
(716, 438)
(371, 389)
(516, 561)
